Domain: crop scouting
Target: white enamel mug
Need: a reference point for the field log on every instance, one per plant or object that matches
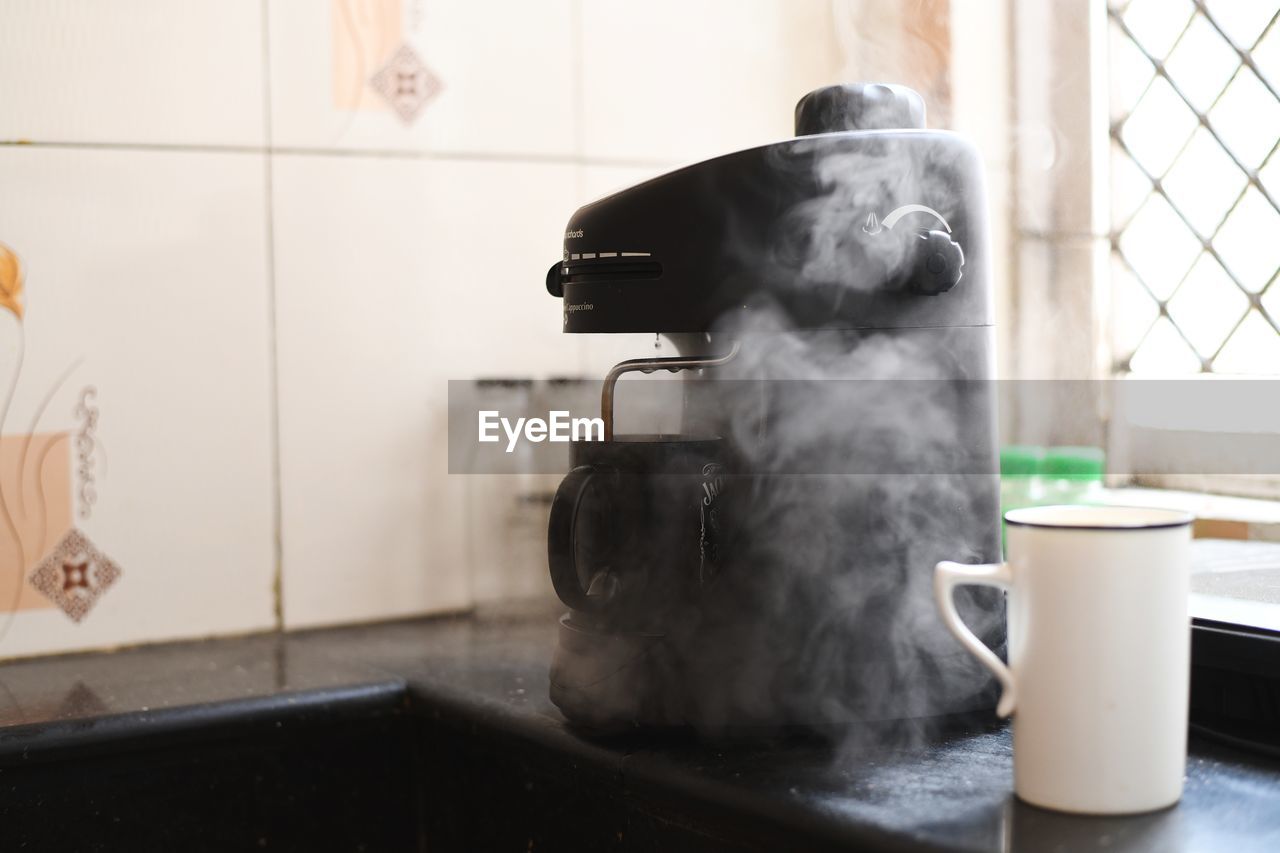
(1099, 653)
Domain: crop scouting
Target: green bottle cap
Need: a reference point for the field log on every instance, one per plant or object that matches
(1074, 463)
(1020, 460)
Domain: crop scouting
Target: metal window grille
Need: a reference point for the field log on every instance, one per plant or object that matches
(1195, 186)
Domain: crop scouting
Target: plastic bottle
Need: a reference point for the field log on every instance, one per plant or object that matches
(1019, 478)
(1072, 475)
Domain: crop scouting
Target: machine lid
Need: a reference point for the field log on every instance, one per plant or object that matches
(859, 106)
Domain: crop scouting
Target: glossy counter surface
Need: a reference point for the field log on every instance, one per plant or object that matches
(465, 699)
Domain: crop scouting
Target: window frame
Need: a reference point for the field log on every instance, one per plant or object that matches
(1062, 237)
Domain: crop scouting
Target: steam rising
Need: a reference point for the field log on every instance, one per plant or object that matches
(823, 612)
(836, 570)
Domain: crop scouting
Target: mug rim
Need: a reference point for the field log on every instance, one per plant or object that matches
(1158, 518)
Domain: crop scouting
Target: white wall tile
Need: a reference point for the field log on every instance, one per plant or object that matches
(146, 279)
(394, 276)
(506, 67)
(149, 71)
(668, 80)
(420, 261)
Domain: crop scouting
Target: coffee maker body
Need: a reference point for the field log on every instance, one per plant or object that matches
(772, 564)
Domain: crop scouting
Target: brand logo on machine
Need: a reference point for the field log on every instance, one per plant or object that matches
(712, 483)
(578, 306)
(709, 517)
(573, 235)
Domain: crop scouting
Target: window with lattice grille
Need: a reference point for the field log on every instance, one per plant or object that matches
(1195, 186)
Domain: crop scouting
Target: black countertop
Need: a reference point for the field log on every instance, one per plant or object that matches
(482, 681)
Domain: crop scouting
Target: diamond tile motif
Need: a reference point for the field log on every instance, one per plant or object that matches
(1156, 24)
(1253, 349)
(1130, 73)
(1164, 353)
(1129, 187)
(1195, 117)
(1267, 56)
(1269, 174)
(1132, 310)
(1271, 300)
(406, 83)
(1247, 118)
(1204, 183)
(1202, 63)
(1159, 246)
(1158, 127)
(1207, 306)
(1242, 20)
(74, 575)
(1249, 241)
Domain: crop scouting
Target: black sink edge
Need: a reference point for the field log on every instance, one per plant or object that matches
(26, 744)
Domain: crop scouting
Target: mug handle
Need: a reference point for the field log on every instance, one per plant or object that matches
(946, 577)
(560, 551)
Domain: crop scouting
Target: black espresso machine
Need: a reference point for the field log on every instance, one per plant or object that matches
(771, 564)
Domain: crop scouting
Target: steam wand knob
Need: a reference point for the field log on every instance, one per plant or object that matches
(939, 263)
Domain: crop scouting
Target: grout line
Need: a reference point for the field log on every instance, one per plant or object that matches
(273, 347)
(578, 97)
(578, 100)
(371, 153)
(200, 148)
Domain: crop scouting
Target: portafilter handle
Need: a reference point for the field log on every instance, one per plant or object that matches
(650, 365)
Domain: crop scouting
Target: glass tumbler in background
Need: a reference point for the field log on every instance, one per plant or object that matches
(507, 513)
(494, 563)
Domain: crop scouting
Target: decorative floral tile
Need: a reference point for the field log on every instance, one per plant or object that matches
(141, 415)
(36, 510)
(507, 69)
(406, 83)
(75, 575)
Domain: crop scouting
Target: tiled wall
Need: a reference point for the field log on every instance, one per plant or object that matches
(248, 274)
